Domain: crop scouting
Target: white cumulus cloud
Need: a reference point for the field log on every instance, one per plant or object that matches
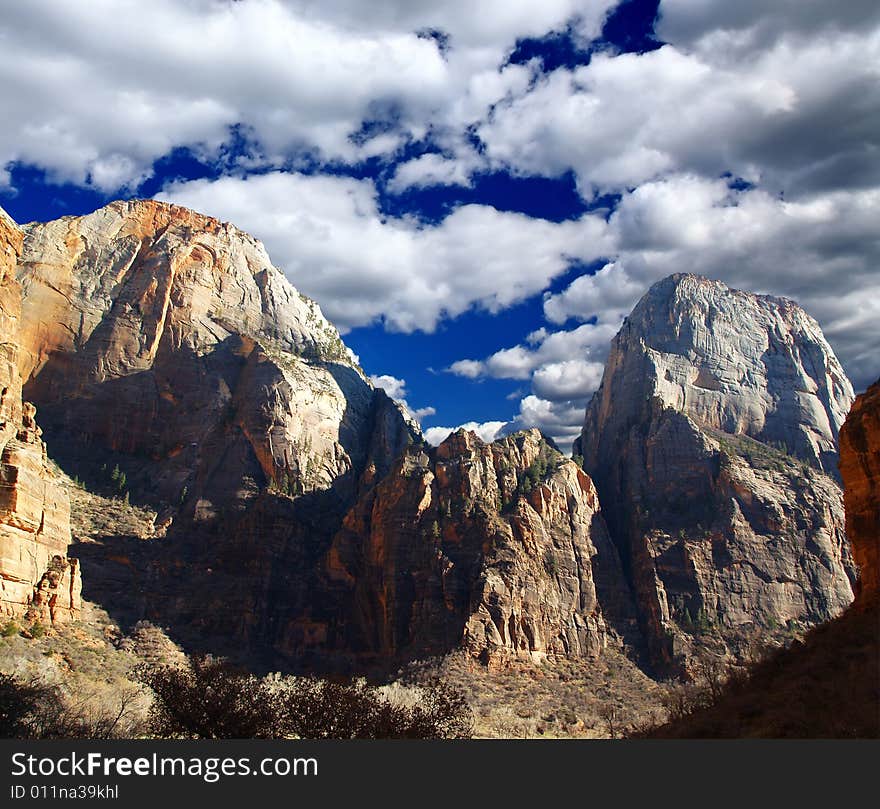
(396, 389)
(334, 244)
(487, 430)
(563, 367)
(97, 91)
(799, 114)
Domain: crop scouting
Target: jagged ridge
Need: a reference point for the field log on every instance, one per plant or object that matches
(500, 547)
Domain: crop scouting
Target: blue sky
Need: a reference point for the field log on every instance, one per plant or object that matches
(476, 199)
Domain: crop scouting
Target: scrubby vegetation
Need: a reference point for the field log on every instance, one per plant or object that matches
(31, 709)
(209, 698)
(536, 473)
(759, 455)
(539, 469)
(553, 699)
(97, 656)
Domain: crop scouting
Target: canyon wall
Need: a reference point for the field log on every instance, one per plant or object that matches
(498, 547)
(301, 512)
(301, 515)
(860, 468)
(37, 579)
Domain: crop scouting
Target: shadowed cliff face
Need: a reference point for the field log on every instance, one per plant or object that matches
(827, 686)
(37, 579)
(711, 440)
(860, 468)
(498, 547)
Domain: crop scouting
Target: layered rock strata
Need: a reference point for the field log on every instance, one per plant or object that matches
(302, 515)
(168, 336)
(171, 361)
(498, 547)
(295, 517)
(37, 579)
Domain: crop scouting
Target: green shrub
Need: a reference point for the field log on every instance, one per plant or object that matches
(37, 630)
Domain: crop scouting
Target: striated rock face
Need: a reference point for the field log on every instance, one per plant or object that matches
(712, 440)
(302, 517)
(166, 343)
(860, 468)
(500, 547)
(37, 580)
(161, 333)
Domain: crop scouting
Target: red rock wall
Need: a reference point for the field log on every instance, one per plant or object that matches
(860, 469)
(37, 580)
(457, 548)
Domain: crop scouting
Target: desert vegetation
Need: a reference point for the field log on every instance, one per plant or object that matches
(210, 698)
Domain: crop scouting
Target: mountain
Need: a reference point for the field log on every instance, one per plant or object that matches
(498, 547)
(37, 578)
(171, 360)
(712, 441)
(168, 336)
(301, 515)
(302, 520)
(826, 686)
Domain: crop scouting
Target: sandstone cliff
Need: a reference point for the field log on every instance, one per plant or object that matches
(303, 515)
(498, 547)
(169, 336)
(712, 440)
(163, 345)
(860, 468)
(37, 580)
(828, 685)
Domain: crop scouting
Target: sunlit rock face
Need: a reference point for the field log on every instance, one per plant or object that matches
(713, 444)
(37, 579)
(166, 343)
(303, 518)
(156, 331)
(498, 547)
